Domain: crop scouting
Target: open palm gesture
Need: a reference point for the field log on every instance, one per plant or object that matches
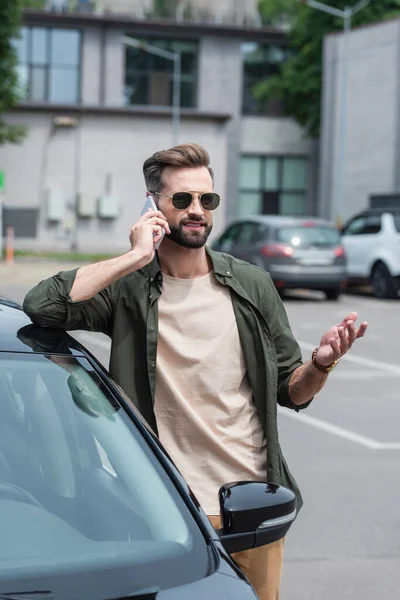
(339, 339)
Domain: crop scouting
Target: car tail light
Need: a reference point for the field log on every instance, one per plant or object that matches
(277, 250)
(339, 252)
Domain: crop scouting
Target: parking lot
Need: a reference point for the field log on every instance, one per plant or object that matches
(344, 450)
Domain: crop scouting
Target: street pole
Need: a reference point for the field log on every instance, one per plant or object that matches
(338, 204)
(177, 77)
(176, 103)
(347, 15)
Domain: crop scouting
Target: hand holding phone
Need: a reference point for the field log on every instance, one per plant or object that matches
(151, 205)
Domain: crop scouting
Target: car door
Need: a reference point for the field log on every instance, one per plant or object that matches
(359, 238)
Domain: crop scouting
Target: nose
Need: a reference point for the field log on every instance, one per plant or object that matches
(196, 208)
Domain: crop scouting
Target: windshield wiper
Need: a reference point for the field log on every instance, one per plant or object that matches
(34, 595)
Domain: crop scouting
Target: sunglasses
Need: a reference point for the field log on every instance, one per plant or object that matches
(182, 200)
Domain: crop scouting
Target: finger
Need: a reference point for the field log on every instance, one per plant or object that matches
(152, 213)
(336, 349)
(158, 235)
(344, 342)
(361, 330)
(353, 316)
(157, 221)
(351, 332)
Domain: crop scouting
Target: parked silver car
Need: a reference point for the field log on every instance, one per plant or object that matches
(298, 252)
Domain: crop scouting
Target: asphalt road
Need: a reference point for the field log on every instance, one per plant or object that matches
(344, 450)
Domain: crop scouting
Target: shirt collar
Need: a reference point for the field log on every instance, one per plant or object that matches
(219, 263)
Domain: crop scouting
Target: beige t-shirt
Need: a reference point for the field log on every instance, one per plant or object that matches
(204, 405)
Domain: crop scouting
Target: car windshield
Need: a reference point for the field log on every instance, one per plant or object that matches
(303, 236)
(86, 509)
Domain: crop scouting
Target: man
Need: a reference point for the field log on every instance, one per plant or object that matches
(211, 333)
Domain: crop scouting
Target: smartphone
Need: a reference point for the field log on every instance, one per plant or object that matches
(151, 204)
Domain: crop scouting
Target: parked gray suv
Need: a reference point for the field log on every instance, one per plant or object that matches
(298, 252)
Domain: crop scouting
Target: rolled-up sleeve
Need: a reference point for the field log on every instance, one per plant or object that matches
(49, 304)
(287, 349)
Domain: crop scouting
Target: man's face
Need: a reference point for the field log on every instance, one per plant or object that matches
(190, 227)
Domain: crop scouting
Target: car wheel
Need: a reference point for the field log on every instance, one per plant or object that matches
(333, 294)
(383, 284)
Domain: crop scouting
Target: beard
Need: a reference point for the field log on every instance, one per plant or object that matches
(190, 239)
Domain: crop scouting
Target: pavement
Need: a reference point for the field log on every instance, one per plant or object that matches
(344, 450)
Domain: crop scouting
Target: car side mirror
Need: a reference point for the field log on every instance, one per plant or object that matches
(254, 514)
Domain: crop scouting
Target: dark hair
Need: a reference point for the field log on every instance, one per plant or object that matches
(183, 156)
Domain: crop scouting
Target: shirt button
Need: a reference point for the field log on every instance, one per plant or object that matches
(151, 279)
(151, 327)
(228, 273)
(153, 365)
(150, 297)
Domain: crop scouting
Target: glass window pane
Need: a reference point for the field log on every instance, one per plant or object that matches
(37, 91)
(160, 63)
(63, 86)
(277, 54)
(249, 204)
(294, 174)
(292, 204)
(39, 46)
(271, 182)
(250, 172)
(23, 81)
(136, 89)
(188, 94)
(21, 45)
(65, 47)
(136, 58)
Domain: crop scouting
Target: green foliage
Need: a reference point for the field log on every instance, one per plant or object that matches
(38, 4)
(10, 23)
(298, 86)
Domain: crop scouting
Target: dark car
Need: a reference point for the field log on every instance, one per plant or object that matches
(298, 252)
(91, 506)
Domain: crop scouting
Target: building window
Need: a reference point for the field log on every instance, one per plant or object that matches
(260, 61)
(149, 78)
(49, 64)
(273, 185)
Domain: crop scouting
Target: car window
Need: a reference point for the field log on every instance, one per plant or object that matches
(231, 234)
(80, 489)
(250, 233)
(365, 225)
(302, 236)
(396, 219)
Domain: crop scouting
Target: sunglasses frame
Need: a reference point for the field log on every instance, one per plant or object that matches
(171, 197)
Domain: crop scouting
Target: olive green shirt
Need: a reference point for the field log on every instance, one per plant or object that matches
(127, 312)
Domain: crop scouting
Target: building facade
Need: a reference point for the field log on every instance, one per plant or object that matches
(360, 147)
(97, 107)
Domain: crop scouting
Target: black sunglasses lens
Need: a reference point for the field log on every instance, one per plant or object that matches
(182, 200)
(210, 201)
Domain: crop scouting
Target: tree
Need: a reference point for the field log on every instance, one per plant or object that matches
(298, 86)
(10, 23)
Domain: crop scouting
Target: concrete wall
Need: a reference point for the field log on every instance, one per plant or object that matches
(372, 123)
(265, 135)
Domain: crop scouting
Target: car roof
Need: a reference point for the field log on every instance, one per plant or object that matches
(19, 334)
(394, 210)
(282, 220)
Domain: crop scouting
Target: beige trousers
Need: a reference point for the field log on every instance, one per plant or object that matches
(262, 566)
